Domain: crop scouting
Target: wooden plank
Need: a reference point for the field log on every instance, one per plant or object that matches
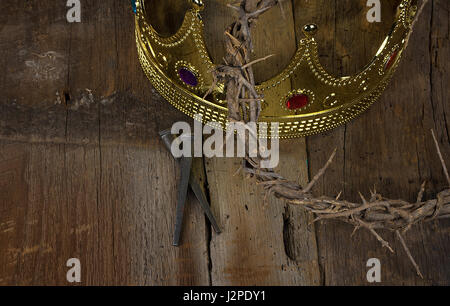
(12, 209)
(138, 193)
(107, 206)
(33, 52)
(440, 49)
(396, 156)
(90, 55)
(259, 246)
(98, 184)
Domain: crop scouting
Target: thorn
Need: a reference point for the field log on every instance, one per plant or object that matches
(363, 198)
(354, 231)
(421, 192)
(408, 252)
(440, 157)
(315, 221)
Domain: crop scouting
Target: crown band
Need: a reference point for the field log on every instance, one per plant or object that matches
(303, 98)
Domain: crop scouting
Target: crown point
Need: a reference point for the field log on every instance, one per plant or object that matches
(310, 30)
(197, 4)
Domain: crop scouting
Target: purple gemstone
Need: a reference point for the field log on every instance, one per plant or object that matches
(188, 77)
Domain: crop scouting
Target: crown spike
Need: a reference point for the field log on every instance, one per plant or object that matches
(310, 30)
(197, 4)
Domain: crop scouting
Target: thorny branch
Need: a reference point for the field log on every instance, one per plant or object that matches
(244, 105)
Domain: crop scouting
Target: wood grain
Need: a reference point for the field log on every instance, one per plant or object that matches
(260, 246)
(388, 147)
(83, 174)
(90, 178)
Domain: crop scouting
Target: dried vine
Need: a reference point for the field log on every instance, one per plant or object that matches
(244, 105)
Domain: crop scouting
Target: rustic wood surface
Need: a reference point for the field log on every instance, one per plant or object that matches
(83, 173)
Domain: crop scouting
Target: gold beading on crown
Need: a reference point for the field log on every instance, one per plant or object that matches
(330, 101)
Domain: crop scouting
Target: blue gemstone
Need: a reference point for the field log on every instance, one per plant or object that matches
(133, 5)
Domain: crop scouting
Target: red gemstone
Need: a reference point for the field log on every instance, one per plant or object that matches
(391, 60)
(297, 101)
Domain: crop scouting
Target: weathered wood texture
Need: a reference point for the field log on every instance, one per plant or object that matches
(388, 147)
(260, 246)
(83, 174)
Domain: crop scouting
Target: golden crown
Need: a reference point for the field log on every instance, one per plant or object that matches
(303, 98)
